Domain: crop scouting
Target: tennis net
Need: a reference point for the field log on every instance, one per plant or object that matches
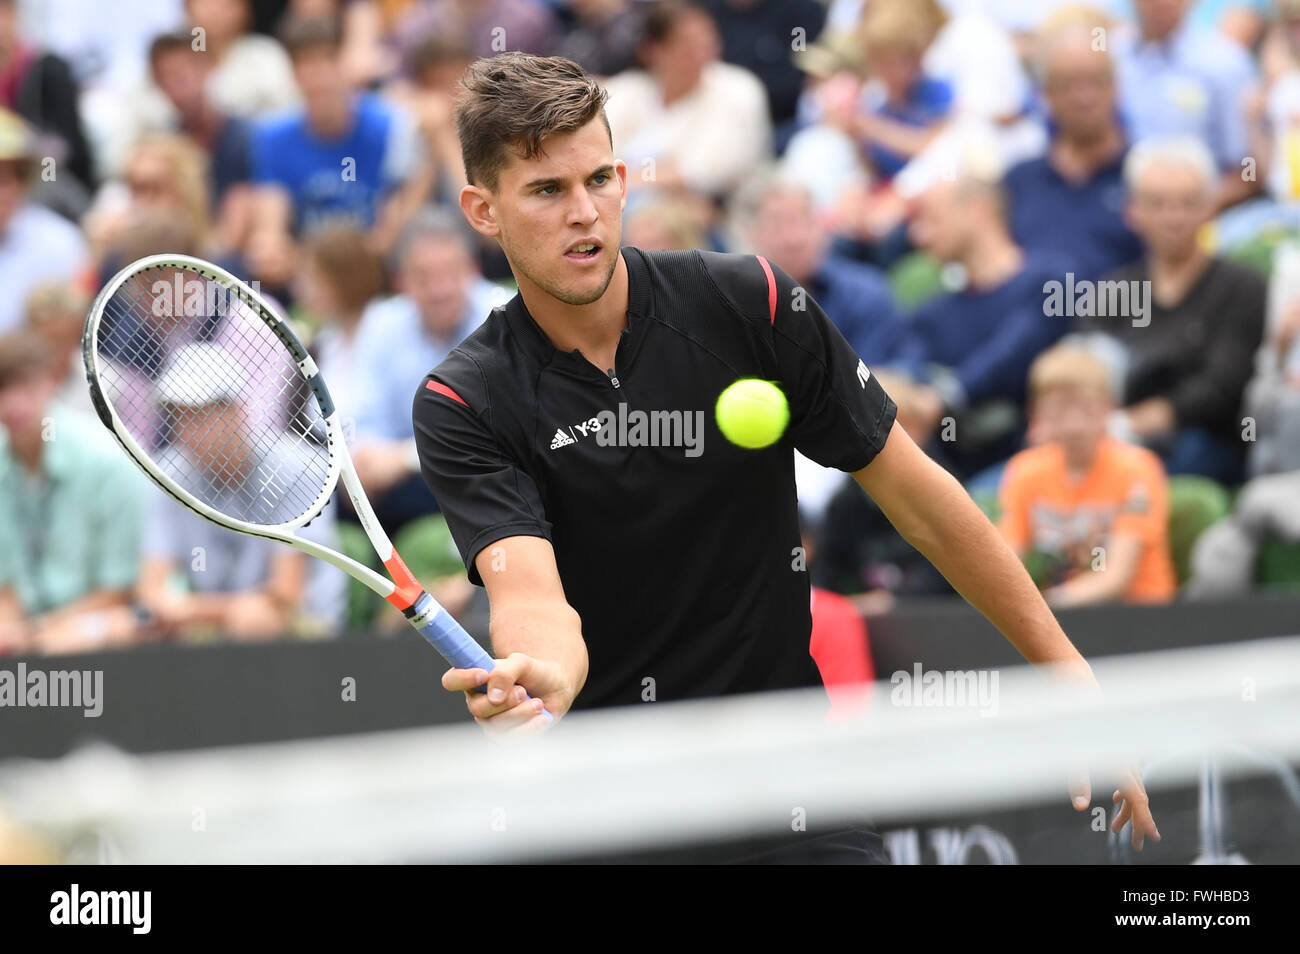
(949, 766)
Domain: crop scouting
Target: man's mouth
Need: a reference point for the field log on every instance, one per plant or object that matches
(583, 251)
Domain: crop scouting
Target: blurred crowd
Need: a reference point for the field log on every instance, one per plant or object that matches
(1066, 237)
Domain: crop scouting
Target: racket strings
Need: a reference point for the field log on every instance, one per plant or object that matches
(212, 396)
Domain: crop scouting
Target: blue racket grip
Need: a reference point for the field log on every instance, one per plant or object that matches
(450, 639)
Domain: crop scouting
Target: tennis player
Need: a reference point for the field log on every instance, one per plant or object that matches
(629, 551)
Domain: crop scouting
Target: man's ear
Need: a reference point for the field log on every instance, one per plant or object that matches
(620, 170)
(476, 203)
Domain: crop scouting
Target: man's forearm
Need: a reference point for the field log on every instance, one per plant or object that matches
(548, 632)
(935, 514)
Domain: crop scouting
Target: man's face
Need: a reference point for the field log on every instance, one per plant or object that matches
(1080, 90)
(1160, 17)
(785, 230)
(690, 47)
(437, 273)
(320, 78)
(180, 75)
(23, 404)
(939, 222)
(212, 437)
(1171, 202)
(546, 209)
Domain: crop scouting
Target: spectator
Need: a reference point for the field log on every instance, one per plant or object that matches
(1080, 180)
(164, 179)
(970, 350)
(906, 108)
(366, 27)
(442, 298)
(428, 92)
(687, 121)
(251, 75)
(1176, 80)
(487, 27)
(661, 224)
(36, 245)
(1225, 557)
(339, 276)
(71, 507)
(343, 156)
(761, 35)
(40, 87)
(1091, 510)
(1190, 356)
(782, 225)
(246, 587)
(602, 35)
(180, 73)
(56, 312)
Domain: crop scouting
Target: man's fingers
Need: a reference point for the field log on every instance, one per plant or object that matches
(516, 720)
(482, 707)
(460, 680)
(508, 672)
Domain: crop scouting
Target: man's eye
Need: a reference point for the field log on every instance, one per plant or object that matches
(546, 190)
(600, 178)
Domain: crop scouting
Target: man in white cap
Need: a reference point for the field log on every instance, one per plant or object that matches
(216, 449)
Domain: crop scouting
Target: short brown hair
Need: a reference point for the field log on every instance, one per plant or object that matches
(299, 35)
(353, 269)
(24, 356)
(516, 101)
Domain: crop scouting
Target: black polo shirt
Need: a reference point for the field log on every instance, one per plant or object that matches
(678, 549)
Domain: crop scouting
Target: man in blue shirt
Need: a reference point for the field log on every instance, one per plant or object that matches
(442, 299)
(782, 225)
(1079, 181)
(1178, 80)
(970, 350)
(343, 156)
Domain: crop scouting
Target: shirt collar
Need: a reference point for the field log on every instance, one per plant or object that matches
(58, 458)
(639, 301)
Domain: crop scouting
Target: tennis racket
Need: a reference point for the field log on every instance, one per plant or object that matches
(216, 400)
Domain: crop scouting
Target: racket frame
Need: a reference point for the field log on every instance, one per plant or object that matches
(402, 590)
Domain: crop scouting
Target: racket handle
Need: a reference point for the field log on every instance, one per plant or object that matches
(450, 639)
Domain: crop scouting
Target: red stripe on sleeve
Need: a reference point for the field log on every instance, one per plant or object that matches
(439, 388)
(771, 287)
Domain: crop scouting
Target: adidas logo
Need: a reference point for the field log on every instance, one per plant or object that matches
(561, 439)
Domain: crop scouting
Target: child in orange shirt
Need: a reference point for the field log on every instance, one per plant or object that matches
(1092, 510)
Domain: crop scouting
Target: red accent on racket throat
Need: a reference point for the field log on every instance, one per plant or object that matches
(408, 587)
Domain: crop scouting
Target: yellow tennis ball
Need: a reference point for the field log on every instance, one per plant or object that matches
(752, 413)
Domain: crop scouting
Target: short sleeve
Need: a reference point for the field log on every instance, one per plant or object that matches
(840, 416)
(1144, 507)
(482, 490)
(121, 506)
(160, 528)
